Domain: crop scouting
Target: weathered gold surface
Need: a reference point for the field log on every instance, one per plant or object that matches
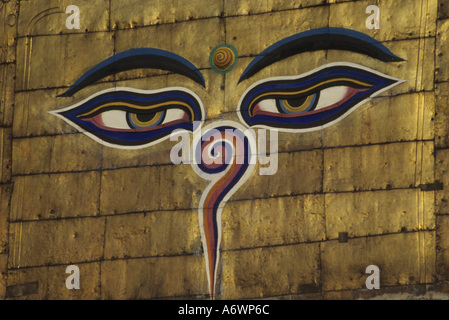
(7, 72)
(403, 259)
(3, 277)
(8, 29)
(52, 280)
(394, 24)
(151, 278)
(247, 7)
(282, 24)
(39, 68)
(135, 13)
(370, 190)
(375, 167)
(408, 117)
(270, 271)
(32, 201)
(177, 189)
(142, 234)
(442, 170)
(5, 155)
(285, 182)
(251, 223)
(49, 17)
(72, 152)
(442, 110)
(64, 240)
(363, 214)
(32, 121)
(442, 241)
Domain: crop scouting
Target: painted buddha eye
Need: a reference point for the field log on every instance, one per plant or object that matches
(123, 120)
(311, 101)
(128, 121)
(307, 102)
(130, 118)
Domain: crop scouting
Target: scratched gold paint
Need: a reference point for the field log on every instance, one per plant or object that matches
(137, 233)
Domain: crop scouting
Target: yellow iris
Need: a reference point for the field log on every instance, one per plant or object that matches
(145, 120)
(297, 109)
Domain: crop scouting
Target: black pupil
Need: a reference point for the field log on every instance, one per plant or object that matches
(296, 102)
(145, 117)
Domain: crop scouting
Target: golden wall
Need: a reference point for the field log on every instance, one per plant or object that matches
(369, 190)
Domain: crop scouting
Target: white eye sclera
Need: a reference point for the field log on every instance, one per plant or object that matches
(115, 119)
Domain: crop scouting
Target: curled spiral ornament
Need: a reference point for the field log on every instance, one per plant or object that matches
(225, 155)
(223, 58)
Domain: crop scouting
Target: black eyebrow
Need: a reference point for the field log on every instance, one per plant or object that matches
(319, 39)
(137, 59)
